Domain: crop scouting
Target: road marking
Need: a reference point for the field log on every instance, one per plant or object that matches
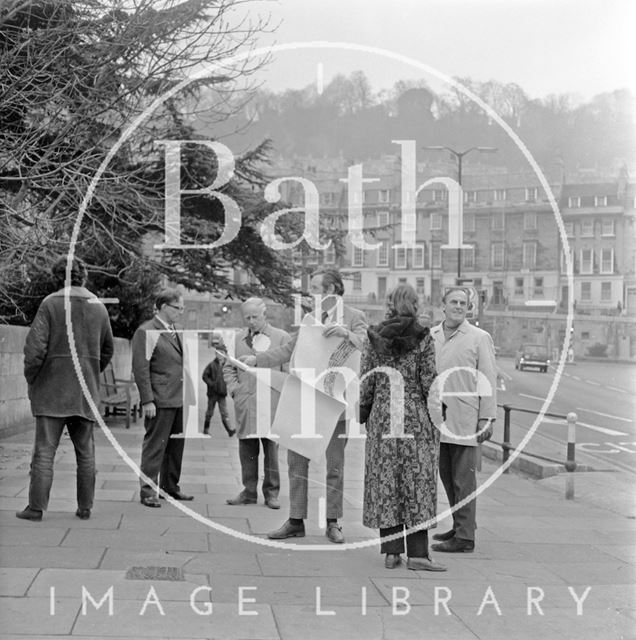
(576, 378)
(525, 395)
(596, 384)
(617, 389)
(594, 427)
(505, 375)
(605, 415)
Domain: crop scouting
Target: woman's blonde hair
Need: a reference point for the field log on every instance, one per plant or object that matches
(403, 301)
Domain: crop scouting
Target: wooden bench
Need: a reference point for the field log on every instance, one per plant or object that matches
(119, 396)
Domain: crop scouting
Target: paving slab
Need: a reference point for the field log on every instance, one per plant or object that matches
(625, 552)
(557, 623)
(522, 571)
(378, 623)
(224, 563)
(69, 583)
(134, 540)
(37, 557)
(298, 590)
(224, 622)
(124, 559)
(34, 616)
(172, 522)
(37, 535)
(15, 582)
(595, 573)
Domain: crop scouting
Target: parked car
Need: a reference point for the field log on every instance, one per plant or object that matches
(532, 355)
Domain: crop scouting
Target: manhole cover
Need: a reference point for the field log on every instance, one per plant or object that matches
(173, 574)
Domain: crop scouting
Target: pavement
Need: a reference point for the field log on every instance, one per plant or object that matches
(134, 572)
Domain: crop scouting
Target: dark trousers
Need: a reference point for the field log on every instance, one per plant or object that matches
(249, 449)
(213, 400)
(457, 469)
(298, 471)
(161, 455)
(416, 542)
(48, 431)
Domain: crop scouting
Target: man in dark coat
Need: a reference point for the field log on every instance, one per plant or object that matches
(217, 394)
(157, 362)
(56, 393)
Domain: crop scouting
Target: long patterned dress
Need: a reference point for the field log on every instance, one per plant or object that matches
(400, 479)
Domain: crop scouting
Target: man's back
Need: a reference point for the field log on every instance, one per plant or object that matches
(54, 386)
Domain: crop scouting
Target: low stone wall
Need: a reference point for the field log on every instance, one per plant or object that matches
(15, 409)
(616, 335)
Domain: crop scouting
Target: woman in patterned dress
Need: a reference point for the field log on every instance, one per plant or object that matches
(400, 477)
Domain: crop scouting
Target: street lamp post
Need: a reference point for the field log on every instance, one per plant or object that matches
(460, 157)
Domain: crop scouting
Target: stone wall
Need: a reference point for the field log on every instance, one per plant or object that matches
(616, 335)
(15, 409)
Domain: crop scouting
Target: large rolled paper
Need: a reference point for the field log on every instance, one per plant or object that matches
(305, 418)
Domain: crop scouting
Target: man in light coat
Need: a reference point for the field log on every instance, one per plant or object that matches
(258, 335)
(56, 396)
(351, 327)
(157, 363)
(469, 353)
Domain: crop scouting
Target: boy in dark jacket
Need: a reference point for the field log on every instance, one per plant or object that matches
(217, 392)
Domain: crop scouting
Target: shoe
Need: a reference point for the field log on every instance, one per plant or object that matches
(83, 514)
(240, 499)
(288, 530)
(35, 515)
(334, 533)
(272, 502)
(177, 495)
(392, 560)
(151, 501)
(206, 432)
(424, 564)
(231, 432)
(444, 536)
(455, 545)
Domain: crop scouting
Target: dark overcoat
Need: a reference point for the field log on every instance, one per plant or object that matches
(54, 385)
(157, 362)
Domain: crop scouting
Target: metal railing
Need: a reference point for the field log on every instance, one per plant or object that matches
(570, 461)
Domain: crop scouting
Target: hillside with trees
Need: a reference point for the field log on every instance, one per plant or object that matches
(352, 121)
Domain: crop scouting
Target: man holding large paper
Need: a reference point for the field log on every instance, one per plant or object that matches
(331, 337)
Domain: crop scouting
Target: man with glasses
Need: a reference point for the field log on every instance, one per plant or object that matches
(158, 369)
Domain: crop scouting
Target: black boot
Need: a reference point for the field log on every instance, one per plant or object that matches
(206, 425)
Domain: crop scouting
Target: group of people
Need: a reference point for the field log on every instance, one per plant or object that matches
(439, 431)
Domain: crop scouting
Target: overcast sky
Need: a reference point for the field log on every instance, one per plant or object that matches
(582, 47)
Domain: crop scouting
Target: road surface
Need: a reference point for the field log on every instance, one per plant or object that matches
(603, 395)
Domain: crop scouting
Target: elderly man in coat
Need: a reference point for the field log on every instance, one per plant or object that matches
(467, 354)
(56, 395)
(258, 335)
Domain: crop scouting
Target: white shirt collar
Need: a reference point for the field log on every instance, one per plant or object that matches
(165, 324)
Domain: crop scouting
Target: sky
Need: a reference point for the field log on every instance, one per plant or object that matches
(579, 47)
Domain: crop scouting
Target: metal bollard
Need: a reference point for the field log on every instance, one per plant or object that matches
(505, 445)
(570, 463)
